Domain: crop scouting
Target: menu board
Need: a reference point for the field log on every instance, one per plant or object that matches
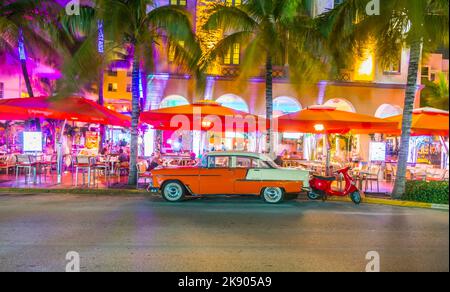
(92, 142)
(377, 151)
(32, 141)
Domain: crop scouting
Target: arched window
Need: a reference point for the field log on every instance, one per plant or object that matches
(285, 105)
(173, 100)
(233, 101)
(341, 104)
(388, 110)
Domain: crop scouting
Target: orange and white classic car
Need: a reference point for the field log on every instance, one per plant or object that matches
(230, 173)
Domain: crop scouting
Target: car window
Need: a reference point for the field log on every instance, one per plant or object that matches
(218, 162)
(243, 162)
(250, 162)
(258, 163)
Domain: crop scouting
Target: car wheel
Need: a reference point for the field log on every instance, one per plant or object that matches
(173, 191)
(273, 195)
(356, 197)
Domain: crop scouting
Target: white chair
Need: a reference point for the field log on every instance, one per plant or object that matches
(372, 175)
(83, 163)
(27, 163)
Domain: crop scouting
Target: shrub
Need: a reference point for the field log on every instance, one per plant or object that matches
(435, 192)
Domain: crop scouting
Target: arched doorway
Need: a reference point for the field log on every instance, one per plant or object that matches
(173, 100)
(235, 140)
(341, 104)
(388, 110)
(174, 141)
(291, 142)
(285, 105)
(233, 101)
(392, 142)
(342, 150)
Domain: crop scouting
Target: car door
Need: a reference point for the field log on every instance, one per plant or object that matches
(217, 177)
(248, 179)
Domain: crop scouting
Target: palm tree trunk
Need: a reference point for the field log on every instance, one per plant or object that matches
(411, 89)
(100, 49)
(101, 102)
(132, 177)
(26, 77)
(269, 102)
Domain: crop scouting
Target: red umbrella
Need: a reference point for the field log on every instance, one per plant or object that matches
(8, 113)
(425, 122)
(328, 120)
(69, 108)
(203, 115)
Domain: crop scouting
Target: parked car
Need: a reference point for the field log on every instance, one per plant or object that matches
(230, 173)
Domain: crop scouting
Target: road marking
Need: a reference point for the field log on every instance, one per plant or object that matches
(370, 214)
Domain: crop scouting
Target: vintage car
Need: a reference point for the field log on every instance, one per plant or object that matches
(230, 173)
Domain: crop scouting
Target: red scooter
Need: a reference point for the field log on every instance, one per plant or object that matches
(320, 187)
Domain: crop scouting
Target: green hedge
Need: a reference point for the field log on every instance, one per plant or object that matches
(435, 192)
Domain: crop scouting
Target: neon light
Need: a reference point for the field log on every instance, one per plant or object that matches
(101, 37)
(22, 54)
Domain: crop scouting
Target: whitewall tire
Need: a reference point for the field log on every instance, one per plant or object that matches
(273, 195)
(173, 191)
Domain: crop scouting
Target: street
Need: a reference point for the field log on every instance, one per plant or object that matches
(222, 234)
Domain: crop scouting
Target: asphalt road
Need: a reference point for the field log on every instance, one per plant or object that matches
(225, 234)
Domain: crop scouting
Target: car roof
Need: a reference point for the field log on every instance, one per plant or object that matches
(236, 153)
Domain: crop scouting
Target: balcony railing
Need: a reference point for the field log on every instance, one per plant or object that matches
(279, 72)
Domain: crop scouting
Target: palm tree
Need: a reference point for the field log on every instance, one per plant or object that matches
(273, 32)
(435, 94)
(138, 26)
(20, 34)
(421, 25)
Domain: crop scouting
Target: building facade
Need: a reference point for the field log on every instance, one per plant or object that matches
(367, 88)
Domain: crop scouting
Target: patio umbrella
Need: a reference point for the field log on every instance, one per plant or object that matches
(69, 108)
(329, 120)
(202, 115)
(425, 122)
(9, 113)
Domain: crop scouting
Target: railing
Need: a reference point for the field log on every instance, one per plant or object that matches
(231, 71)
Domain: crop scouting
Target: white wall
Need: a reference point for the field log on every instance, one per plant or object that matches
(12, 85)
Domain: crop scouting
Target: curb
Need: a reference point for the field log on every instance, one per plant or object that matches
(389, 202)
(92, 192)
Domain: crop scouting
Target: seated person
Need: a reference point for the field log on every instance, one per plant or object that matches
(155, 161)
(124, 159)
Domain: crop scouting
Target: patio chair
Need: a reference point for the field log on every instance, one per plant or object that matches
(372, 175)
(7, 162)
(84, 164)
(388, 172)
(28, 163)
(142, 172)
(122, 167)
(102, 165)
(45, 165)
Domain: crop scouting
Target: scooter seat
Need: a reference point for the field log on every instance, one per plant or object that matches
(326, 178)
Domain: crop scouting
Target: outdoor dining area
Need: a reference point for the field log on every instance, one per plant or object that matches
(92, 142)
(69, 130)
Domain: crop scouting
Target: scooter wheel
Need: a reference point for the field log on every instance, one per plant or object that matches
(313, 196)
(356, 197)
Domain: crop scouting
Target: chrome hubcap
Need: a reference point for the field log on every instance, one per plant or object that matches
(272, 195)
(173, 191)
